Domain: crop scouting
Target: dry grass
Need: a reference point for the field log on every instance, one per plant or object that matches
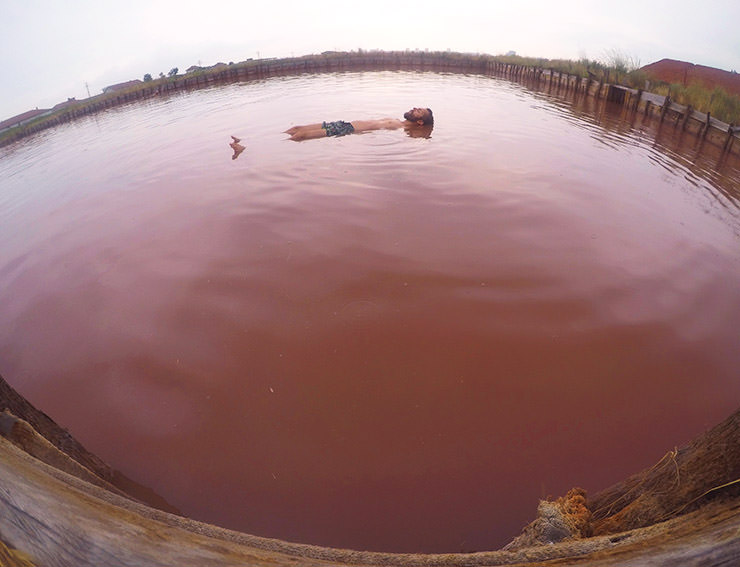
(14, 558)
(702, 495)
(721, 104)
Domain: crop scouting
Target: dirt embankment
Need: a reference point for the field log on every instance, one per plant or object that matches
(685, 510)
(686, 74)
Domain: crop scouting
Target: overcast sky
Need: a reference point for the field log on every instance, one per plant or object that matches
(51, 50)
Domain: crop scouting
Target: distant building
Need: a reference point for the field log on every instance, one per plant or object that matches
(24, 118)
(61, 105)
(122, 86)
(218, 66)
(685, 73)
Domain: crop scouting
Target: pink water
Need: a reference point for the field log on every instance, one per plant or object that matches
(375, 342)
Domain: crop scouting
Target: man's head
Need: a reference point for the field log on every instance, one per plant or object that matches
(420, 115)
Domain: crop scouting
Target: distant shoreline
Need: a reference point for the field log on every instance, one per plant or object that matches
(510, 66)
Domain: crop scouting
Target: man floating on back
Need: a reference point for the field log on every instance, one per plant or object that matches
(416, 122)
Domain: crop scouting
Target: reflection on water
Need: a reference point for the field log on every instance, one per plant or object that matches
(374, 341)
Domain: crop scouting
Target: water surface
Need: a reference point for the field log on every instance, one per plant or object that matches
(375, 342)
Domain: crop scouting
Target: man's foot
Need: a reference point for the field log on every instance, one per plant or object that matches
(236, 146)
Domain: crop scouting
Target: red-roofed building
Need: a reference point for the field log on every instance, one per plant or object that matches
(65, 104)
(684, 73)
(23, 118)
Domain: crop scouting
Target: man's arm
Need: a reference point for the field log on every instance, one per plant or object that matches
(382, 124)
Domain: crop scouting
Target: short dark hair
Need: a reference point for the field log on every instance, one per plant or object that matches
(430, 120)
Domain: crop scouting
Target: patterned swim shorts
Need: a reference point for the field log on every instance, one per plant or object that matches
(338, 128)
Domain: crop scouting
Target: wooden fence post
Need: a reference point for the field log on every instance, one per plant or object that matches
(615, 94)
(689, 112)
(730, 136)
(706, 126)
(666, 104)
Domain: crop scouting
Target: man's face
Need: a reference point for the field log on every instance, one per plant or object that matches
(416, 114)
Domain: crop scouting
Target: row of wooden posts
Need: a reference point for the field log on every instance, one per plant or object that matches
(682, 114)
(635, 100)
